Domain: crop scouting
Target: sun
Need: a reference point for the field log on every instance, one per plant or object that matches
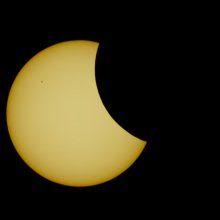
(58, 123)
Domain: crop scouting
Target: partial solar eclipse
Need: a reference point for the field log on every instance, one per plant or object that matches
(58, 123)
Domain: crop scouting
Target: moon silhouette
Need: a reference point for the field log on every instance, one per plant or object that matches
(58, 123)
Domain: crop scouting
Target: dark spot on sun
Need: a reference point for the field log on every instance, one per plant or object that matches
(42, 81)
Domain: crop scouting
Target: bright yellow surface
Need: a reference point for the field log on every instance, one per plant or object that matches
(58, 123)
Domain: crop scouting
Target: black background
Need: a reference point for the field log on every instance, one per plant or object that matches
(133, 70)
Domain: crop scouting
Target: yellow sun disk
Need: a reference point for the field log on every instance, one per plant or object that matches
(58, 123)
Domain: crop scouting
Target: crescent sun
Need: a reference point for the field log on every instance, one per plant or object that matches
(58, 123)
